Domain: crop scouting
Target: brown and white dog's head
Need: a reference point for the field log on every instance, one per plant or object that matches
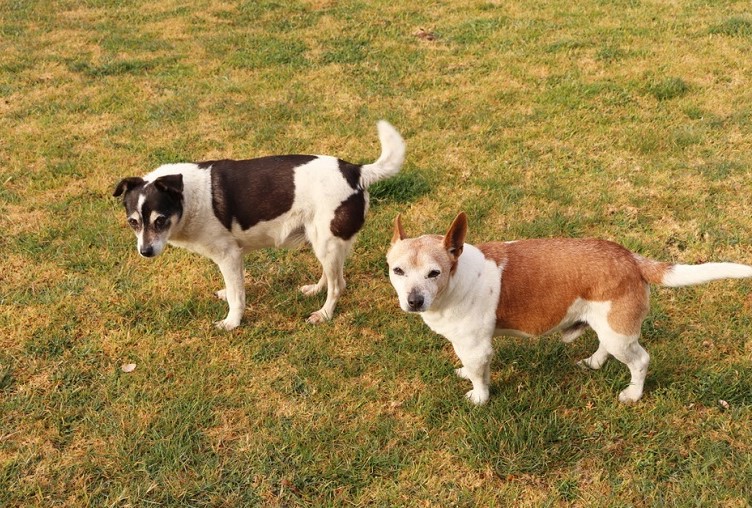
(420, 268)
(152, 209)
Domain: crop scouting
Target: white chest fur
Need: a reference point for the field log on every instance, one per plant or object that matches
(467, 306)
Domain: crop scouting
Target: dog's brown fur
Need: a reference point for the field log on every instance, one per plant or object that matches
(543, 277)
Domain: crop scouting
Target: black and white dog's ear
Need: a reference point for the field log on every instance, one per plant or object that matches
(127, 184)
(172, 184)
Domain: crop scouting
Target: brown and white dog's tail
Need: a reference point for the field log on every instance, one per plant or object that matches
(666, 274)
(391, 158)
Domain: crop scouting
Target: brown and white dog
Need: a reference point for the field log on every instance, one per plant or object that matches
(529, 288)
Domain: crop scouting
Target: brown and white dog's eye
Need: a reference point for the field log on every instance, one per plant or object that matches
(133, 223)
(433, 274)
(398, 271)
(160, 222)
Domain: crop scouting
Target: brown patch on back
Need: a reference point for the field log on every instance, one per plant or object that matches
(542, 278)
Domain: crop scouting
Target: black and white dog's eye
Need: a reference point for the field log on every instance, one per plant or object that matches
(398, 271)
(160, 222)
(133, 223)
(433, 274)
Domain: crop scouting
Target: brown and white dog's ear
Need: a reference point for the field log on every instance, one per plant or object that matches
(399, 233)
(455, 237)
(127, 184)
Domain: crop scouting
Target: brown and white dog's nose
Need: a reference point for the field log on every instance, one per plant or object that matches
(146, 251)
(415, 301)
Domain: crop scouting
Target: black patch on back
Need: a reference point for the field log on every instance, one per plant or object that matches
(350, 172)
(349, 216)
(253, 190)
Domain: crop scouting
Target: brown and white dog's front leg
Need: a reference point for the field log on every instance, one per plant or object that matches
(475, 356)
(231, 265)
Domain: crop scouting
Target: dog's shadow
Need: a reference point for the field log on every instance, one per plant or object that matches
(677, 369)
(537, 417)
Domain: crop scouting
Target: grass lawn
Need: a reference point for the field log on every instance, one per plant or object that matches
(624, 119)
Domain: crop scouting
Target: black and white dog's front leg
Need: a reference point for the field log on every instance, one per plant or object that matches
(230, 264)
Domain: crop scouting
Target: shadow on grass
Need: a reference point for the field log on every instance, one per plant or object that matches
(403, 188)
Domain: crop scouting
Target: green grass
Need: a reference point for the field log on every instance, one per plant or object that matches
(628, 120)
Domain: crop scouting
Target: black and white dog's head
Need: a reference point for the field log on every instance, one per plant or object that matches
(152, 209)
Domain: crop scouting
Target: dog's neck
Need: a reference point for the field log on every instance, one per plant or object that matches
(468, 275)
(195, 199)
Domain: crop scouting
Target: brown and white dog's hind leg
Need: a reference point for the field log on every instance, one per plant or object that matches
(637, 359)
(617, 324)
(628, 351)
(596, 360)
(573, 332)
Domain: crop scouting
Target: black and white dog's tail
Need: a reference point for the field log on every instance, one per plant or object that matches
(391, 158)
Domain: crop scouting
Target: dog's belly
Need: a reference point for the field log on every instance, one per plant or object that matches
(506, 332)
(577, 312)
(284, 231)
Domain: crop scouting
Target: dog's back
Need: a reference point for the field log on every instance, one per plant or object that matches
(542, 278)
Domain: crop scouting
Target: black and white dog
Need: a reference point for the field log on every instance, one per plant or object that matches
(220, 209)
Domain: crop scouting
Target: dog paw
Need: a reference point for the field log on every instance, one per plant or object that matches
(477, 397)
(461, 373)
(584, 364)
(630, 395)
(226, 325)
(221, 294)
(317, 317)
(310, 289)
(587, 364)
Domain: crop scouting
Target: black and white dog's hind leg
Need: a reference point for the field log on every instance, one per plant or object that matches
(332, 237)
(331, 252)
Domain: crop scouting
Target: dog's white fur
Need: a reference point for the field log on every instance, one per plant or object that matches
(319, 189)
(470, 294)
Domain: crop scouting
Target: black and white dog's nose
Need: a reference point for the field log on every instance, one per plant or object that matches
(147, 251)
(415, 300)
